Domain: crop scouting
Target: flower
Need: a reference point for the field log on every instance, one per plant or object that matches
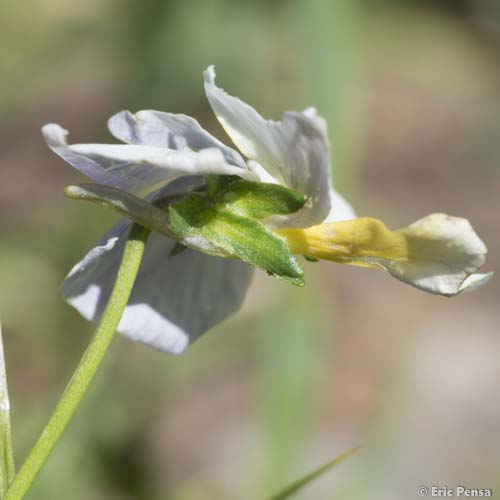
(169, 156)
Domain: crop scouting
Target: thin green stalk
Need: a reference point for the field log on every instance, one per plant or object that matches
(84, 373)
(7, 467)
(304, 481)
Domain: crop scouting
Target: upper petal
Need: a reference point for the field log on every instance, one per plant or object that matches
(137, 169)
(55, 137)
(174, 300)
(167, 130)
(294, 151)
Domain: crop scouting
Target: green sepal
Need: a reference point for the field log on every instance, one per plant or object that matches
(217, 185)
(241, 237)
(177, 249)
(311, 259)
(256, 200)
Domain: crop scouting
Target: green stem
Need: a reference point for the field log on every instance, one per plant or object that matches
(84, 373)
(7, 455)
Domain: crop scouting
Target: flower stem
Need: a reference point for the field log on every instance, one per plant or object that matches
(84, 373)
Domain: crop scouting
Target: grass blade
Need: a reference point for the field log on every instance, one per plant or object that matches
(304, 481)
(7, 469)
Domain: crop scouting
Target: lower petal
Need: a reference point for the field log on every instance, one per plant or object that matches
(174, 300)
(438, 254)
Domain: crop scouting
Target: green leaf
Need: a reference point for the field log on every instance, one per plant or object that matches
(300, 483)
(257, 200)
(241, 237)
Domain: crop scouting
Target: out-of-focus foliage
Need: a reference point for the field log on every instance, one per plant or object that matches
(411, 94)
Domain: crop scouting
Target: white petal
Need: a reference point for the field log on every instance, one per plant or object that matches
(137, 169)
(341, 208)
(55, 137)
(261, 173)
(474, 281)
(167, 130)
(445, 253)
(173, 301)
(293, 151)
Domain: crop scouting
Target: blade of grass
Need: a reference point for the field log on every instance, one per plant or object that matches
(7, 468)
(308, 478)
(290, 350)
(329, 35)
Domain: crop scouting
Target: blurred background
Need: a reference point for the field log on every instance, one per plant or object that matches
(411, 92)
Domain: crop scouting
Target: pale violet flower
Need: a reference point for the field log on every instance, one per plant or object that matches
(176, 299)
